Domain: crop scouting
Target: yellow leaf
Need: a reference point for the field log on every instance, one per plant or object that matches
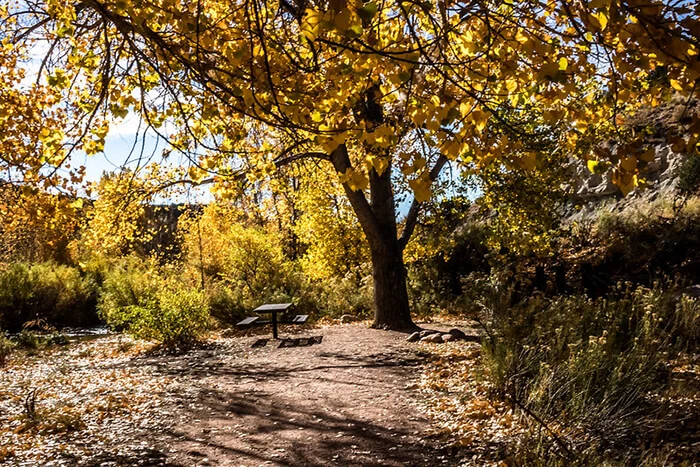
(380, 164)
(480, 119)
(629, 163)
(602, 19)
(464, 108)
(528, 161)
(625, 182)
(648, 155)
(342, 20)
(596, 167)
(678, 145)
(354, 179)
(421, 188)
(311, 24)
(676, 85)
(563, 64)
(452, 150)
(195, 174)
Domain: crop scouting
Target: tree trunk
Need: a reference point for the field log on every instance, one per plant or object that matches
(391, 310)
(378, 222)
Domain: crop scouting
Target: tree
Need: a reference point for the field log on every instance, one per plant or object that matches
(328, 231)
(36, 226)
(375, 91)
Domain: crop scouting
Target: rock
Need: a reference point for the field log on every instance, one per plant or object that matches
(414, 337)
(457, 334)
(435, 338)
(448, 338)
(427, 332)
(348, 319)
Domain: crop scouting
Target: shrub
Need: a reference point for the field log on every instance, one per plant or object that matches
(447, 245)
(583, 367)
(148, 304)
(176, 320)
(55, 293)
(242, 266)
(337, 296)
(16, 291)
(227, 305)
(127, 283)
(689, 175)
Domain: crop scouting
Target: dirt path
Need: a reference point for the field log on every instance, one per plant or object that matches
(346, 401)
(108, 402)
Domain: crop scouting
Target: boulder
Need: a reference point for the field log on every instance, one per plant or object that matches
(414, 337)
(434, 338)
(448, 338)
(427, 332)
(457, 334)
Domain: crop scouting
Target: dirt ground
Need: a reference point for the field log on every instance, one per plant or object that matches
(362, 397)
(352, 400)
(347, 401)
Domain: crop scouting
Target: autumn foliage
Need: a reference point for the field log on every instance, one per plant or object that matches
(380, 95)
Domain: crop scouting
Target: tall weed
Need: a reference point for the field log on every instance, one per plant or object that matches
(585, 369)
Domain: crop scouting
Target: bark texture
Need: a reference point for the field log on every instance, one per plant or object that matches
(390, 293)
(377, 218)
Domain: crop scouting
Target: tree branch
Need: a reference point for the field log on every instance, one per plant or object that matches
(414, 210)
(358, 201)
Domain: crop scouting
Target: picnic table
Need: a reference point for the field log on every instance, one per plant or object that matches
(273, 309)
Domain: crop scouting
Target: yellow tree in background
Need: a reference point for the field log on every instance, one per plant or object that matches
(329, 231)
(375, 92)
(35, 225)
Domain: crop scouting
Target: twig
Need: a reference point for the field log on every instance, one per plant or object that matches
(557, 438)
(30, 404)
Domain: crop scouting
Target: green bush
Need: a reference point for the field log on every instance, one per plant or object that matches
(177, 319)
(227, 305)
(127, 283)
(55, 293)
(147, 304)
(586, 368)
(337, 296)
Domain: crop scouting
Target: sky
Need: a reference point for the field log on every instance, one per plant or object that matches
(126, 146)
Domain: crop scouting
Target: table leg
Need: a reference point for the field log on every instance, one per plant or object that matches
(274, 325)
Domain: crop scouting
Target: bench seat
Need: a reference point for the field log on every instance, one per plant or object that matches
(300, 319)
(248, 321)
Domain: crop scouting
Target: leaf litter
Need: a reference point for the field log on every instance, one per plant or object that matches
(71, 405)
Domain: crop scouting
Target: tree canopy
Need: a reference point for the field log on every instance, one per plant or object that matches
(380, 92)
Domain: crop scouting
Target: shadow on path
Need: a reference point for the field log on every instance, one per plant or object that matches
(343, 402)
